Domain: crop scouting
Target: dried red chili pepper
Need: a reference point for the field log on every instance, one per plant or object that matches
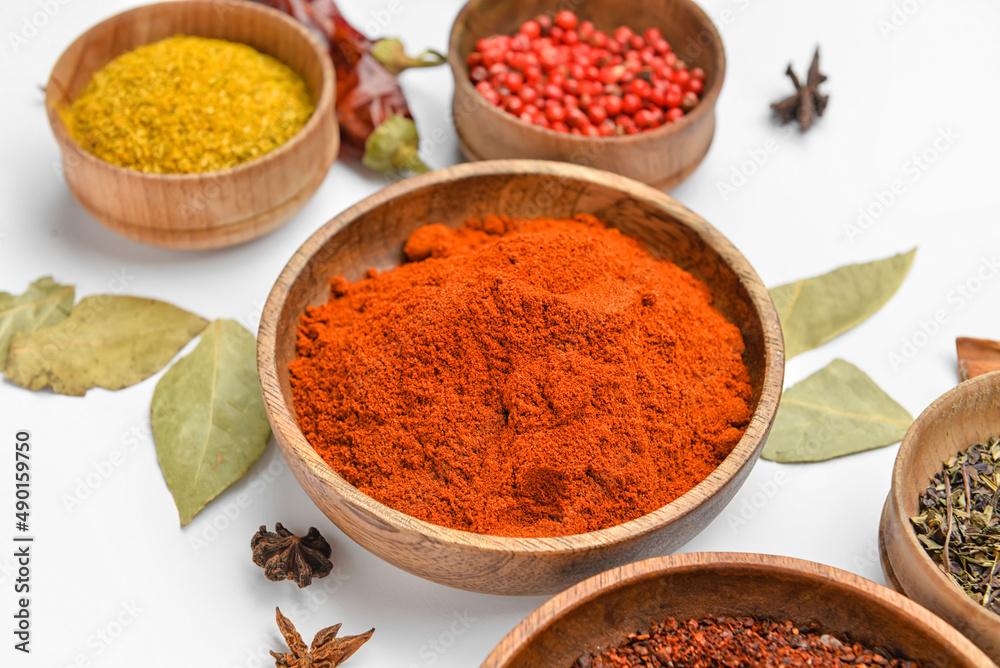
(375, 119)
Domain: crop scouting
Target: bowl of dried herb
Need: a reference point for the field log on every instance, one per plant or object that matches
(194, 124)
(723, 609)
(940, 531)
(507, 376)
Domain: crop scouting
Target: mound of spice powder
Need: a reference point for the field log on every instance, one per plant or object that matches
(744, 642)
(522, 378)
(188, 104)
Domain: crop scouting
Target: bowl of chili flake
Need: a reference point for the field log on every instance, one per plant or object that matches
(727, 609)
(629, 86)
(481, 441)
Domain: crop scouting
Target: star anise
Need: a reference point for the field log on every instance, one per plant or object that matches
(283, 555)
(326, 651)
(808, 102)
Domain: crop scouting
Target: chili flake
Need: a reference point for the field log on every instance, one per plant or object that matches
(742, 642)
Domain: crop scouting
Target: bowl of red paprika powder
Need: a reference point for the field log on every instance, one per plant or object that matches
(594, 104)
(747, 609)
(368, 240)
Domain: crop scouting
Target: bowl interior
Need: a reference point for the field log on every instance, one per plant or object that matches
(375, 238)
(691, 33)
(602, 611)
(262, 28)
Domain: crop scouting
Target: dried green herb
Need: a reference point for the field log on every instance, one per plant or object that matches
(836, 411)
(814, 310)
(326, 651)
(107, 341)
(959, 523)
(208, 417)
(45, 303)
(285, 556)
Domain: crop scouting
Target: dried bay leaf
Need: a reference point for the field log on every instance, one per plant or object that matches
(208, 417)
(814, 310)
(45, 303)
(836, 411)
(107, 341)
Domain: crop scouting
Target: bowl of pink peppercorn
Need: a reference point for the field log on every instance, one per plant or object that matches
(628, 86)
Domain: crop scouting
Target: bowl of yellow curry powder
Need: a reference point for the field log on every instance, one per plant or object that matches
(194, 124)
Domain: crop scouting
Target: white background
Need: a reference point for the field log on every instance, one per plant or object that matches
(895, 87)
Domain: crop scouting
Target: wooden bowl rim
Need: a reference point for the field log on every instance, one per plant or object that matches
(585, 592)
(743, 454)
(705, 106)
(322, 106)
(907, 451)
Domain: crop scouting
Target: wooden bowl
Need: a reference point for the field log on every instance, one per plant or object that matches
(603, 610)
(963, 416)
(209, 209)
(662, 158)
(372, 233)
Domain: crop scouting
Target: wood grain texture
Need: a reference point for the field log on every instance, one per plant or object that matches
(963, 416)
(372, 233)
(603, 610)
(211, 209)
(662, 158)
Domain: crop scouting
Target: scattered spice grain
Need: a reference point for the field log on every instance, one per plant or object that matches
(737, 642)
(522, 378)
(188, 104)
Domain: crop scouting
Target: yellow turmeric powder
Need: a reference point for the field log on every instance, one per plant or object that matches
(188, 104)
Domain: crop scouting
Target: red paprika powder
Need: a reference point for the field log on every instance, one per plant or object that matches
(522, 378)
